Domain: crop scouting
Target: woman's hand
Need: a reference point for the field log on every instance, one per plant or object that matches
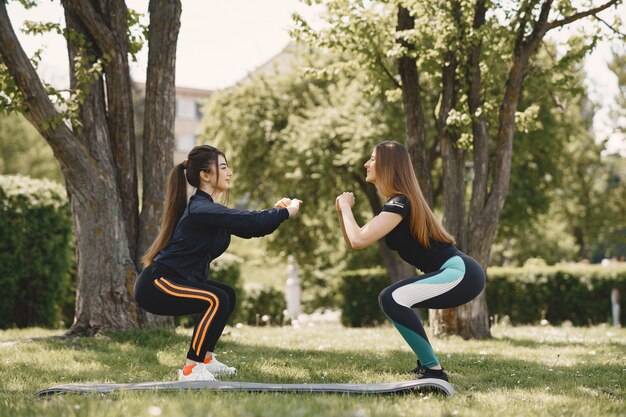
(283, 202)
(293, 207)
(345, 200)
(291, 204)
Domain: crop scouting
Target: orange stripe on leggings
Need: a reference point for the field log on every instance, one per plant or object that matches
(207, 296)
(194, 345)
(206, 320)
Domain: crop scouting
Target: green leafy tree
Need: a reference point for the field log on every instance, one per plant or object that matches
(611, 242)
(618, 67)
(477, 56)
(288, 134)
(577, 200)
(23, 150)
(586, 219)
(592, 198)
(615, 234)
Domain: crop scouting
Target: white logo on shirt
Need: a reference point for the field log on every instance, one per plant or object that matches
(395, 203)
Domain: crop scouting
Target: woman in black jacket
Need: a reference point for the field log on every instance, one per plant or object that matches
(174, 280)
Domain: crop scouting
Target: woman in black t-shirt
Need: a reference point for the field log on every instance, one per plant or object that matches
(409, 227)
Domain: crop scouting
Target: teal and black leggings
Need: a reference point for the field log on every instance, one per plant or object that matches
(459, 280)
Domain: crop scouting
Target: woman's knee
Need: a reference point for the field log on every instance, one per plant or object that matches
(385, 299)
(229, 292)
(232, 297)
(223, 299)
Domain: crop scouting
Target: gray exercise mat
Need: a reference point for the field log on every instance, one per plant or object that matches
(383, 388)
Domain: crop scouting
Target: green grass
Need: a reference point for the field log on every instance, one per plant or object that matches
(522, 371)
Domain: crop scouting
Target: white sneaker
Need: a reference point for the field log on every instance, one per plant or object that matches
(216, 367)
(198, 373)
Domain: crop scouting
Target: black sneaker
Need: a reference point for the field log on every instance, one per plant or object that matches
(417, 368)
(424, 372)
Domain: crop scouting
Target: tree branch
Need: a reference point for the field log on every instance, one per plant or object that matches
(158, 128)
(387, 72)
(522, 16)
(97, 27)
(540, 28)
(39, 109)
(580, 15)
(621, 34)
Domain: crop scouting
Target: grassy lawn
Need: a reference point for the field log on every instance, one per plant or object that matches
(522, 371)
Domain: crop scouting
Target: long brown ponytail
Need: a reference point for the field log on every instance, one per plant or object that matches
(201, 158)
(395, 175)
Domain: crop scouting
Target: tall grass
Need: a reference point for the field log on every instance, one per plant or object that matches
(521, 371)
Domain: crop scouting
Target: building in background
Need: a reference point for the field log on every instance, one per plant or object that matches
(188, 119)
(190, 101)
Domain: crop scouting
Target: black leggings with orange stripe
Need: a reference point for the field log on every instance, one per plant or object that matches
(161, 291)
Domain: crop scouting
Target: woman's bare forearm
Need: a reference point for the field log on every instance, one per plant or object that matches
(343, 230)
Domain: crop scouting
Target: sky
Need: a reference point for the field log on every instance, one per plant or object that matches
(221, 41)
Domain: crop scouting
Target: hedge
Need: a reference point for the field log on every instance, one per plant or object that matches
(358, 292)
(36, 256)
(578, 293)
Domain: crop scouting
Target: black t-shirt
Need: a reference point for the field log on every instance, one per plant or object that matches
(408, 247)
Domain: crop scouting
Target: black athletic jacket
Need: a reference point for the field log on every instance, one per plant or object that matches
(203, 234)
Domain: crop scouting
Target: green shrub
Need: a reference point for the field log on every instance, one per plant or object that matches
(264, 306)
(580, 294)
(36, 254)
(319, 289)
(359, 291)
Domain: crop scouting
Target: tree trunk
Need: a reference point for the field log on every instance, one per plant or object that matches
(472, 319)
(447, 321)
(121, 117)
(105, 266)
(105, 270)
(158, 129)
(105, 24)
(413, 113)
(452, 155)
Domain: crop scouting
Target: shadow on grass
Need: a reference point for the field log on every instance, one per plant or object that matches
(134, 356)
